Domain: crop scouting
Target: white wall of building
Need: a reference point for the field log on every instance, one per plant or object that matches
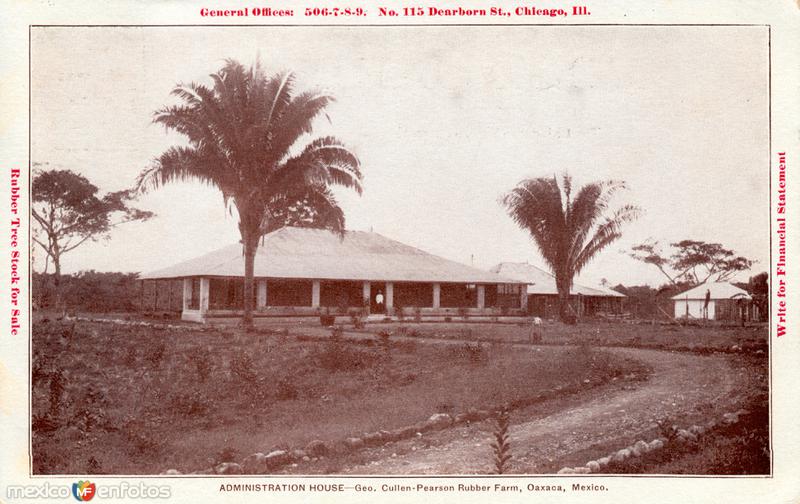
(695, 308)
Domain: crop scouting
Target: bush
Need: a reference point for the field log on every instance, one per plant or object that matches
(339, 356)
(286, 390)
(241, 367)
(191, 403)
(384, 336)
(142, 438)
(226, 454)
(56, 391)
(154, 354)
(500, 446)
(475, 353)
(200, 358)
(131, 354)
(356, 320)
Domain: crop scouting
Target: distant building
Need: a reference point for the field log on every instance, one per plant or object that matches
(543, 295)
(300, 271)
(725, 302)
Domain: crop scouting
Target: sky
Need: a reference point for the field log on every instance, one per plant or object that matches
(445, 120)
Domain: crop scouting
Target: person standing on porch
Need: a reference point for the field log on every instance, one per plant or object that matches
(379, 301)
(705, 304)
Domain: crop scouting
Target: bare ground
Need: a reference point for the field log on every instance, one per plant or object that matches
(683, 388)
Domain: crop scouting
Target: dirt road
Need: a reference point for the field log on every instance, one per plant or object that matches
(683, 388)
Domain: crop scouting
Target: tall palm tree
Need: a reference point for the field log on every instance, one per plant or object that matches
(245, 137)
(568, 231)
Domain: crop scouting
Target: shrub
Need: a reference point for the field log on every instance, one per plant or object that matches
(202, 362)
(154, 354)
(384, 335)
(131, 354)
(286, 390)
(93, 466)
(339, 356)
(473, 352)
(90, 411)
(227, 454)
(191, 403)
(501, 446)
(56, 391)
(142, 438)
(356, 320)
(241, 367)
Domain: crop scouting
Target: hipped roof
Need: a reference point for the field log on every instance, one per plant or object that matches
(302, 253)
(542, 282)
(718, 290)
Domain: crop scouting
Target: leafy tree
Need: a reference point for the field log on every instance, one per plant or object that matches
(693, 262)
(244, 137)
(569, 232)
(68, 212)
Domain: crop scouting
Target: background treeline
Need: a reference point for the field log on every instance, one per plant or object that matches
(96, 292)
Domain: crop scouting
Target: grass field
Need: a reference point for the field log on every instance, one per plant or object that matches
(658, 336)
(123, 399)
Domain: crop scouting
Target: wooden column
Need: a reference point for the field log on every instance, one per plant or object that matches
(389, 297)
(187, 293)
(204, 285)
(315, 288)
(169, 295)
(366, 294)
(261, 295)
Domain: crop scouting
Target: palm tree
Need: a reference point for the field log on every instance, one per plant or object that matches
(568, 232)
(244, 137)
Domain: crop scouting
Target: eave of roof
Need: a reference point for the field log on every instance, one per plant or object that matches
(540, 282)
(717, 290)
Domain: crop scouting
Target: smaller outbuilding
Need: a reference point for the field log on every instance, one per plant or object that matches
(542, 294)
(713, 301)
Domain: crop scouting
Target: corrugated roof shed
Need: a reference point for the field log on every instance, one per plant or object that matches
(541, 282)
(302, 253)
(719, 290)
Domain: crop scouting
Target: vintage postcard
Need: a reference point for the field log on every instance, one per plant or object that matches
(394, 252)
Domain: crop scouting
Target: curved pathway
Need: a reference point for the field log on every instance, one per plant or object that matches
(682, 386)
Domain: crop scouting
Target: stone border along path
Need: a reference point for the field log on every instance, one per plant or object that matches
(639, 448)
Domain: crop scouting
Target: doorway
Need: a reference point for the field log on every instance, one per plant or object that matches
(377, 293)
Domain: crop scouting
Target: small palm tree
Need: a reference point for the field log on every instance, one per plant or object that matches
(244, 137)
(568, 231)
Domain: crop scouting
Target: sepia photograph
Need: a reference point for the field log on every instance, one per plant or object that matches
(442, 250)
